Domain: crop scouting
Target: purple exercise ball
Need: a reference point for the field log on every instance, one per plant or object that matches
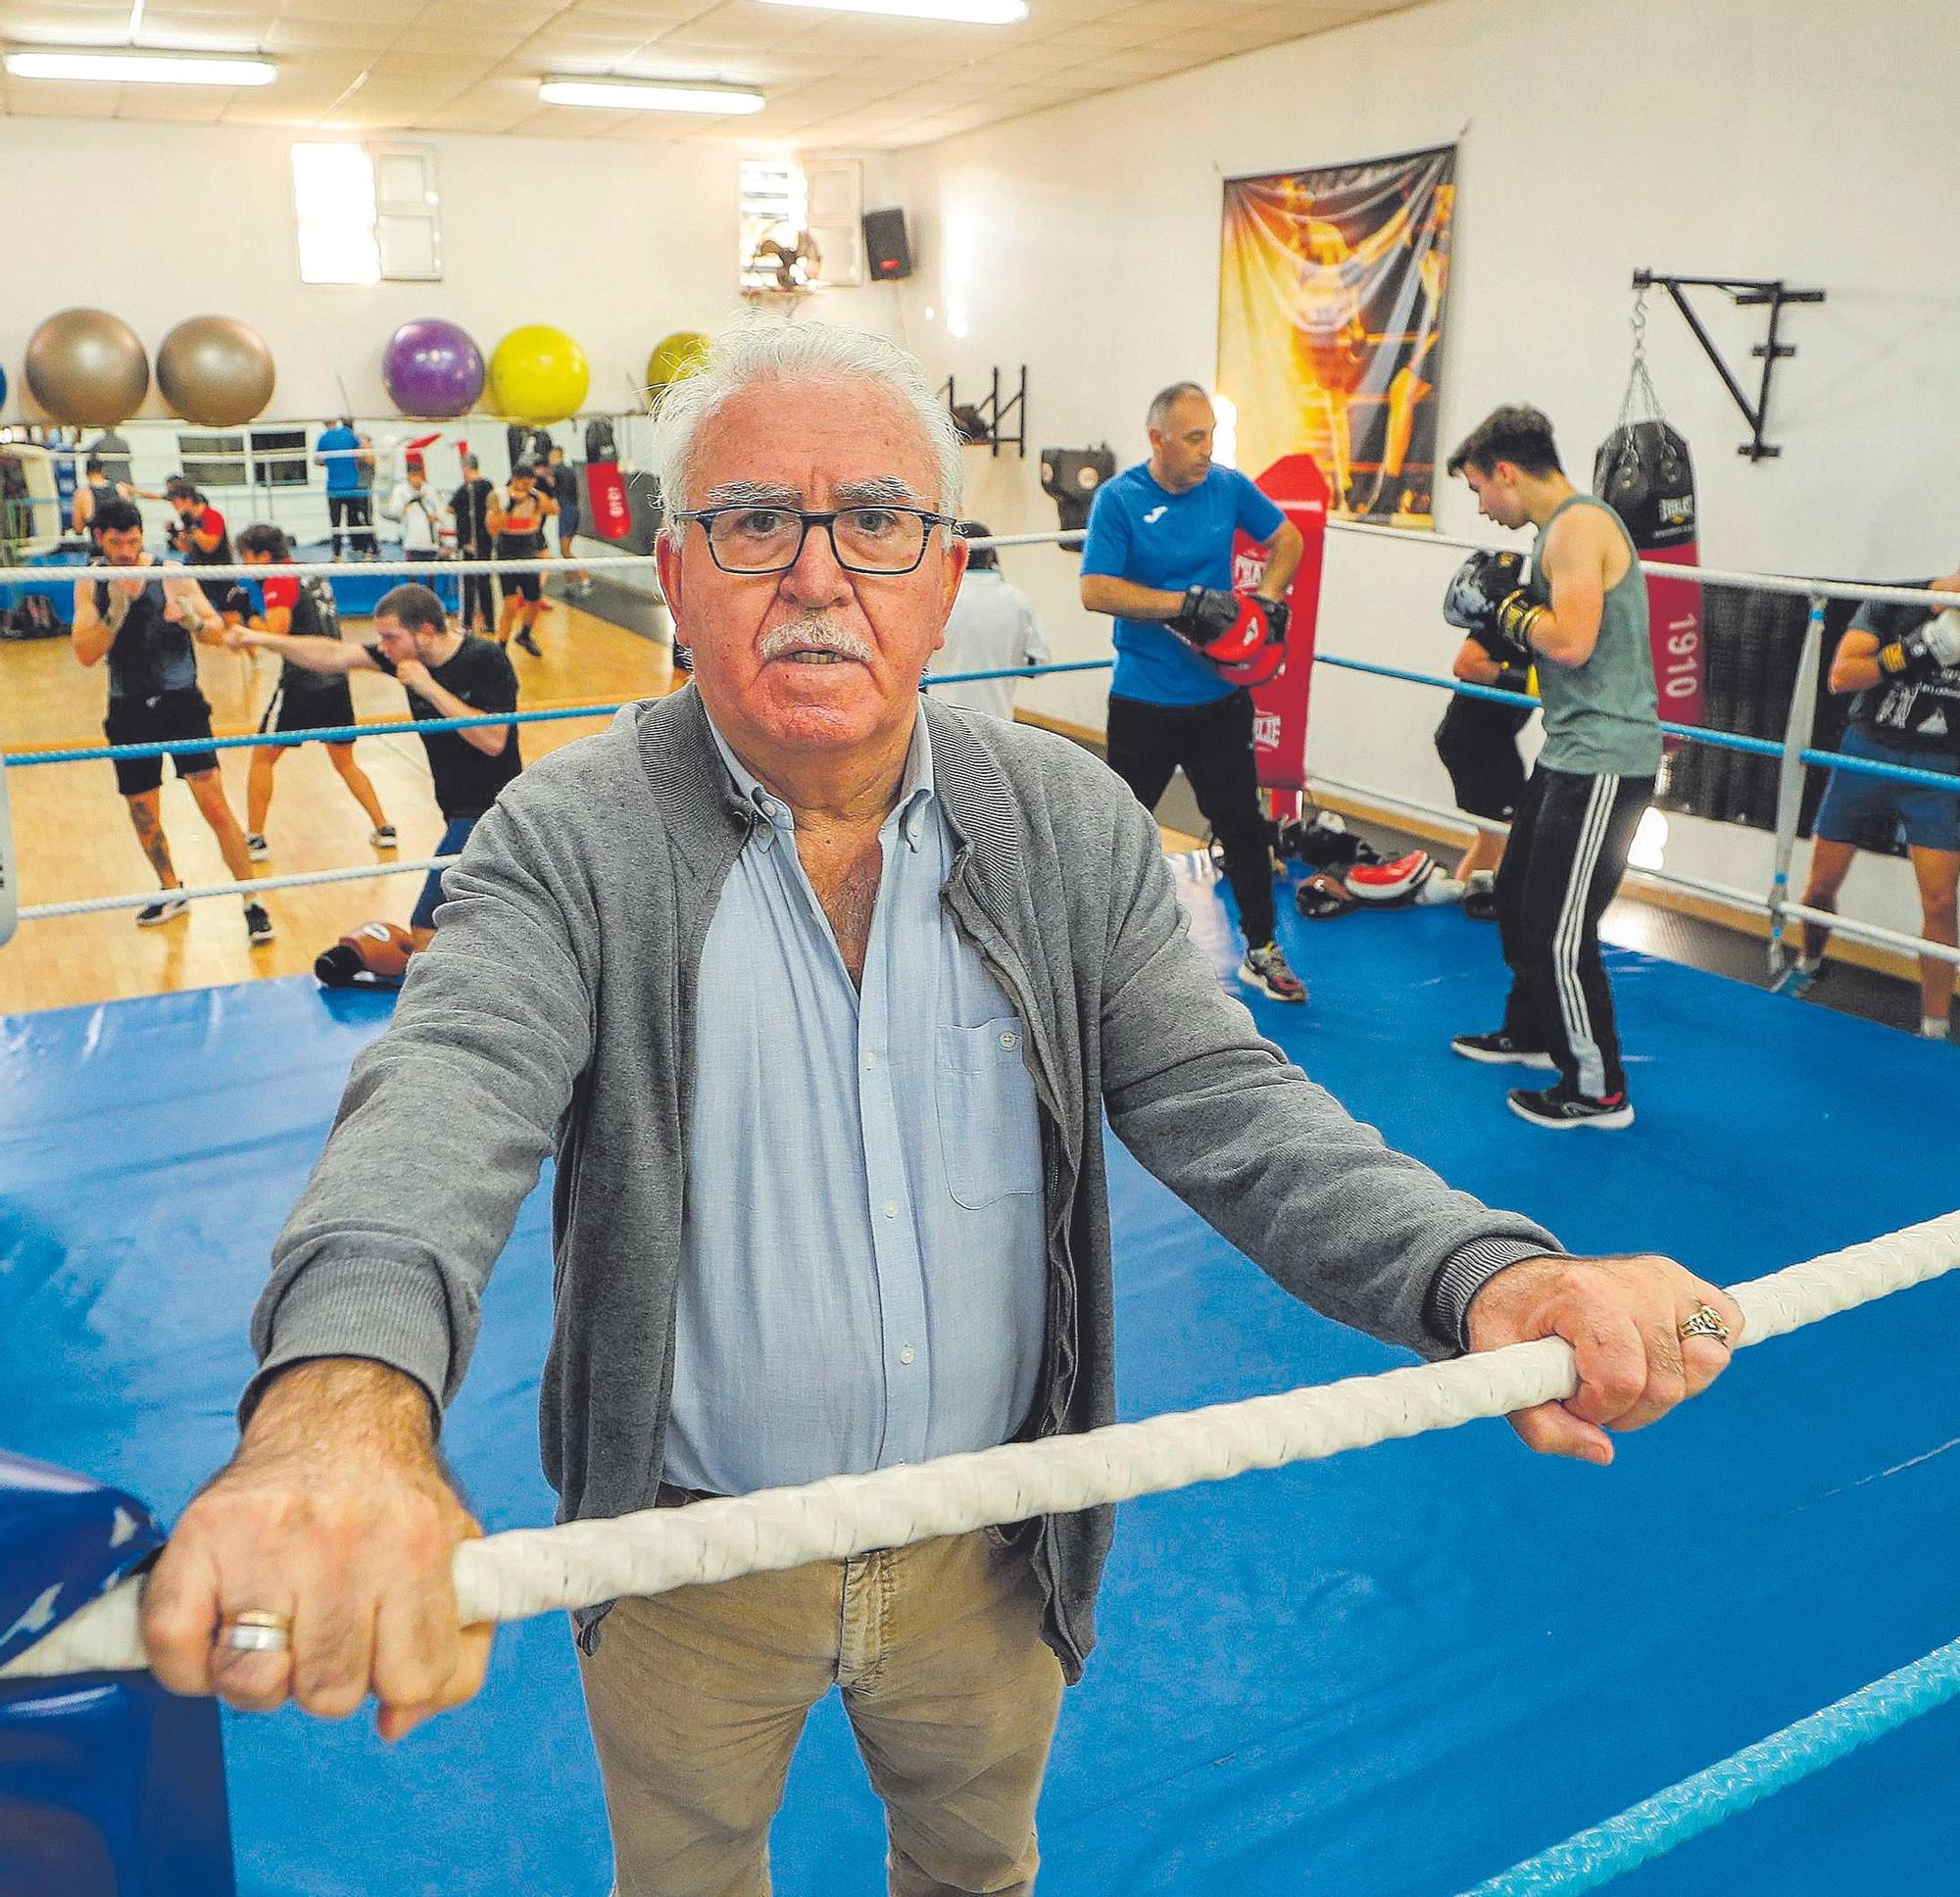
(433, 369)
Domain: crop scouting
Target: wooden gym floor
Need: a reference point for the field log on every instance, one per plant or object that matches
(72, 837)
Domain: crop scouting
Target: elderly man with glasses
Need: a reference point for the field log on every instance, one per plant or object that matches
(818, 994)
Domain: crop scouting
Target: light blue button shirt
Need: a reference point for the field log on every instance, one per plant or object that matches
(862, 1261)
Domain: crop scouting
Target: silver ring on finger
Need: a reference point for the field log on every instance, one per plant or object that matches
(1705, 1321)
(256, 1632)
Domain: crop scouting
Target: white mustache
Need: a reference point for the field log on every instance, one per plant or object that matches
(817, 634)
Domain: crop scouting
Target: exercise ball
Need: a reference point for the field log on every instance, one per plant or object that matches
(216, 372)
(674, 358)
(88, 368)
(433, 369)
(538, 374)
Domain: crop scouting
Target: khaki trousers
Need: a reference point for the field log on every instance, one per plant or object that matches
(697, 1697)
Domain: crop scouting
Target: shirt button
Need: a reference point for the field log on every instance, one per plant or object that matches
(1010, 1039)
(906, 1356)
(871, 1062)
(891, 1208)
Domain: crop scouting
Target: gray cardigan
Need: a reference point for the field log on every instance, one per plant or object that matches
(554, 1014)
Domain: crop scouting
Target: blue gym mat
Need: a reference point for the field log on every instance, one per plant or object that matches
(1393, 1672)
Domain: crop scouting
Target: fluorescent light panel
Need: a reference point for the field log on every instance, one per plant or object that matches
(620, 95)
(141, 68)
(972, 13)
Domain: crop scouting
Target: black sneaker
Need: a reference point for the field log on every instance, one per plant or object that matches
(1501, 1050)
(1564, 1107)
(258, 924)
(166, 908)
(1265, 968)
(528, 644)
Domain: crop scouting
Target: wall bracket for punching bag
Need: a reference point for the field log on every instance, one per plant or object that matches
(982, 424)
(1741, 291)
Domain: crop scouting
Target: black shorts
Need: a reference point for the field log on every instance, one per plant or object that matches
(1477, 742)
(183, 714)
(317, 710)
(524, 586)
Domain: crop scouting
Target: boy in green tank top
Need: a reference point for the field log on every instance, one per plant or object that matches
(1583, 622)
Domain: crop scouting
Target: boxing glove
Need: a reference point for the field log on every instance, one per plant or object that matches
(1924, 649)
(1208, 613)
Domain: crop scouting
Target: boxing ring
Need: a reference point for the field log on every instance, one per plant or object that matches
(1401, 1672)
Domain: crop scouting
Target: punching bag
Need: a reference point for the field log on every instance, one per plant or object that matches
(1644, 472)
(607, 506)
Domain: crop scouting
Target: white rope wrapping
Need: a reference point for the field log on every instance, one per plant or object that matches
(539, 1570)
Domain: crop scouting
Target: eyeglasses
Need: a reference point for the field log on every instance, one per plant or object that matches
(864, 540)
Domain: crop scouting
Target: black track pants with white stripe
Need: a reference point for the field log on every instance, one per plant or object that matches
(1563, 865)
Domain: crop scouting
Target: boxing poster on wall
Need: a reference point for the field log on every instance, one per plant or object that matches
(1331, 289)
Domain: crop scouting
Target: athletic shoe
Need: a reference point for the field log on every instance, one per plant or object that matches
(258, 924)
(1564, 1105)
(166, 908)
(1796, 981)
(382, 835)
(529, 645)
(1266, 969)
(1480, 896)
(1438, 888)
(256, 847)
(1501, 1050)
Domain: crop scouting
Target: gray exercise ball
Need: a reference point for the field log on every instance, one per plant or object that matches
(88, 368)
(216, 372)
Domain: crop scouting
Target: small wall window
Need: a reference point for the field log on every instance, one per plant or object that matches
(365, 215)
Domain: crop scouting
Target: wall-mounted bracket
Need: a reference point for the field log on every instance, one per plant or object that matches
(983, 422)
(1741, 291)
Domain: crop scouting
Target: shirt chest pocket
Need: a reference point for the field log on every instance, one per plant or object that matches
(989, 1127)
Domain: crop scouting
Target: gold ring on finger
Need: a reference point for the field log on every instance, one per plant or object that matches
(254, 1630)
(1705, 1321)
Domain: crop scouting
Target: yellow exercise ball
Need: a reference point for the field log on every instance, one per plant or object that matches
(538, 374)
(674, 358)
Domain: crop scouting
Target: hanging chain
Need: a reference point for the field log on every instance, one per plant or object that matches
(1641, 403)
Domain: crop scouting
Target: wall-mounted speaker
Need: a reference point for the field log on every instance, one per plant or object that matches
(888, 252)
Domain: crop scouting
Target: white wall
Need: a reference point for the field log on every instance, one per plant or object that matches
(617, 243)
(1756, 137)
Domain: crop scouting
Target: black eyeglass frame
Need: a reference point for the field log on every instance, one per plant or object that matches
(707, 516)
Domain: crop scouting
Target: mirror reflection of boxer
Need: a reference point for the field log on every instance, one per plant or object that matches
(1158, 556)
(1477, 740)
(1904, 662)
(143, 622)
(1583, 618)
(199, 534)
(447, 674)
(516, 520)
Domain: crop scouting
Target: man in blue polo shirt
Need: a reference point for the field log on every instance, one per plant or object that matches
(1156, 532)
(348, 499)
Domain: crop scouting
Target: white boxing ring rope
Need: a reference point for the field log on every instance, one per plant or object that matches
(538, 1570)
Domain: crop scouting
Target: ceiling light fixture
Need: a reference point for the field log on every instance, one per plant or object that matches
(141, 68)
(620, 95)
(971, 12)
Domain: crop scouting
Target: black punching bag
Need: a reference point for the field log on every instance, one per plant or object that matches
(1644, 472)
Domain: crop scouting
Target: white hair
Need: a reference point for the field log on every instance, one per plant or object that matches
(793, 353)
